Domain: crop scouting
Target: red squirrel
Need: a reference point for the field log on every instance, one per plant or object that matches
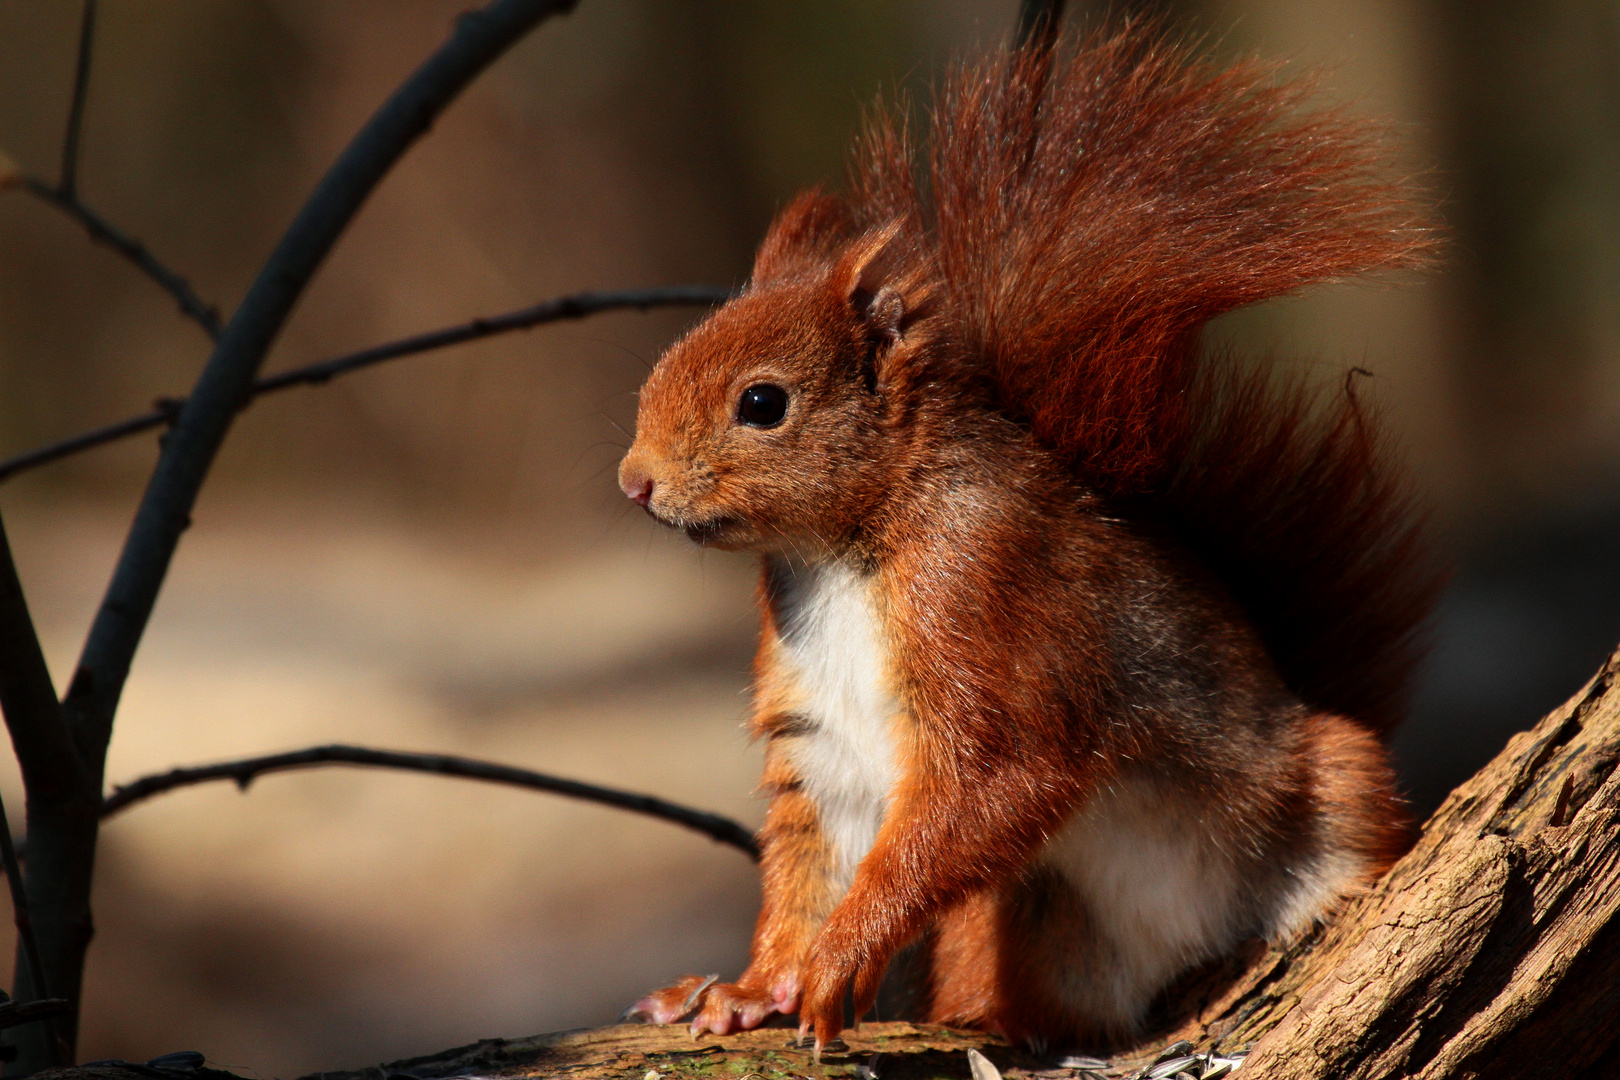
(1080, 639)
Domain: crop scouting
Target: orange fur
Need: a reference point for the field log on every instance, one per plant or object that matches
(1076, 644)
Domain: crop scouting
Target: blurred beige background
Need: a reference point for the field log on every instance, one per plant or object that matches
(433, 555)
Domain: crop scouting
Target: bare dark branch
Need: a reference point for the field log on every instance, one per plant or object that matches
(44, 455)
(61, 814)
(40, 736)
(62, 853)
(19, 906)
(714, 826)
(576, 306)
(1038, 22)
(13, 1013)
(102, 230)
(226, 381)
(34, 1003)
(67, 183)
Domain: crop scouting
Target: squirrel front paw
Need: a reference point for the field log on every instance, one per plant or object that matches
(729, 1007)
(831, 973)
(721, 1007)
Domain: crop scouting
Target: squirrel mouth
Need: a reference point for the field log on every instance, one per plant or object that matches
(703, 532)
(699, 532)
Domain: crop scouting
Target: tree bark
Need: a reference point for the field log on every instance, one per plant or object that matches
(1490, 950)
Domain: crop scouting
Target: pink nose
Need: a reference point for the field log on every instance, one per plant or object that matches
(639, 488)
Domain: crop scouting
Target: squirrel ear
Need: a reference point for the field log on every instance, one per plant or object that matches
(885, 314)
(804, 236)
(875, 285)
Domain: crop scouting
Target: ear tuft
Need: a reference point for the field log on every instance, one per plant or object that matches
(869, 264)
(804, 236)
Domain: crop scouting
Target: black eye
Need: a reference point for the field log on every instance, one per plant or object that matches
(762, 405)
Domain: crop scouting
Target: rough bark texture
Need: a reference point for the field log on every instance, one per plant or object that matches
(629, 1051)
(1490, 951)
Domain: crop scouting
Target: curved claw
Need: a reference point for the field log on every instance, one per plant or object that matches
(824, 1019)
(829, 977)
(867, 983)
(672, 1002)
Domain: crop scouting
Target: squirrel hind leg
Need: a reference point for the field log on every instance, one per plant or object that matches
(1360, 824)
(1024, 960)
(1144, 887)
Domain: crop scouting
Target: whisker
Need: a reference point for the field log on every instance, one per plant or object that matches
(616, 425)
(616, 345)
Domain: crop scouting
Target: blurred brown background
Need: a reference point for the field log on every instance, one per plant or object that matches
(433, 555)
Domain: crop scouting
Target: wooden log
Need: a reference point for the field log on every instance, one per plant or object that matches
(1491, 950)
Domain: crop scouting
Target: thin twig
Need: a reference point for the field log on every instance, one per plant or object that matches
(64, 195)
(718, 828)
(576, 306)
(84, 441)
(67, 183)
(13, 1013)
(102, 230)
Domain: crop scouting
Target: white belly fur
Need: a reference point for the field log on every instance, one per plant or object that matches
(1163, 892)
(833, 647)
(1159, 895)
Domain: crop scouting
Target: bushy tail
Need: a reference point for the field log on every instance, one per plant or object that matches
(1087, 210)
(1290, 498)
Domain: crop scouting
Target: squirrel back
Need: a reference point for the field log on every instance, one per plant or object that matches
(1081, 214)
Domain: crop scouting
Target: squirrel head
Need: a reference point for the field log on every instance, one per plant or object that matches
(771, 426)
